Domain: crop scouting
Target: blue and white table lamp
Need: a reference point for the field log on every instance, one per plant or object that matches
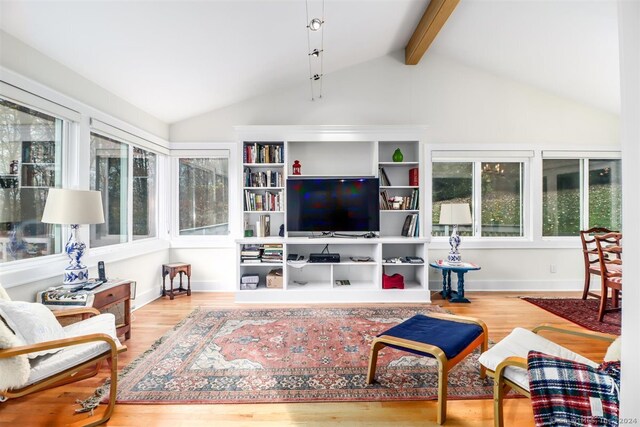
(455, 214)
(73, 207)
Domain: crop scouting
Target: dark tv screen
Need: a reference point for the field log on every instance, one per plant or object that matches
(339, 205)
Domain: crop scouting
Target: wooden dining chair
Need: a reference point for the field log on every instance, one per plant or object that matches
(610, 270)
(590, 254)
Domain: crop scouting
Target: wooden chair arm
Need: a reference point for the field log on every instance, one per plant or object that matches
(513, 361)
(576, 332)
(61, 343)
(75, 312)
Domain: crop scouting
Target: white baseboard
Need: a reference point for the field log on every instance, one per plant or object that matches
(212, 286)
(145, 298)
(512, 285)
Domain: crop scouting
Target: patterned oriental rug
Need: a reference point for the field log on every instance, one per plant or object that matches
(288, 355)
(581, 312)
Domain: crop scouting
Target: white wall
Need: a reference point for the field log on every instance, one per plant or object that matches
(141, 262)
(32, 64)
(460, 104)
(629, 32)
(212, 269)
(145, 270)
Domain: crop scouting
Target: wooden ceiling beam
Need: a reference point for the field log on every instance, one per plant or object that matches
(434, 18)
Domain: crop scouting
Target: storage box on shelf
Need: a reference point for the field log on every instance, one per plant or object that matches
(413, 269)
(256, 261)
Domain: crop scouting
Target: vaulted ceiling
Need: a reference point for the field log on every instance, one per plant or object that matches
(176, 59)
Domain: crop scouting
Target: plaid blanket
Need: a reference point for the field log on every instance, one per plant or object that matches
(568, 393)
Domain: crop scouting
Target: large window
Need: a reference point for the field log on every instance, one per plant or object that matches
(574, 199)
(203, 196)
(493, 191)
(110, 174)
(30, 164)
(144, 194)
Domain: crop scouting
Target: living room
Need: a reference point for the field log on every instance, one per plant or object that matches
(453, 109)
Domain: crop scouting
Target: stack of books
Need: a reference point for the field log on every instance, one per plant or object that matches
(251, 254)
(272, 252)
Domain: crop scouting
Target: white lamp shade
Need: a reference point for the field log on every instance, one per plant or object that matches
(66, 206)
(455, 213)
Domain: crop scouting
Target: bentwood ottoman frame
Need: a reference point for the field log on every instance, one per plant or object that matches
(424, 347)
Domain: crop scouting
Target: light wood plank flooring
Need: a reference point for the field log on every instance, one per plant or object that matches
(501, 311)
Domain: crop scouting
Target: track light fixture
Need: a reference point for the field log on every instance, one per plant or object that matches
(315, 37)
(315, 24)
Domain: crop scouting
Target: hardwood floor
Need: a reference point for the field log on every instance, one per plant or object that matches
(501, 311)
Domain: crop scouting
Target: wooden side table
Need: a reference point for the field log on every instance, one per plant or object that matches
(172, 270)
(108, 295)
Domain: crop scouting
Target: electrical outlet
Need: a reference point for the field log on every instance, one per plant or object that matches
(553, 268)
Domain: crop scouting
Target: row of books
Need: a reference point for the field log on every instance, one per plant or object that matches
(262, 179)
(400, 202)
(251, 254)
(411, 226)
(255, 254)
(385, 182)
(272, 252)
(263, 153)
(262, 202)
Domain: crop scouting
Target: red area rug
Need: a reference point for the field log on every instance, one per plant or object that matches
(288, 355)
(581, 312)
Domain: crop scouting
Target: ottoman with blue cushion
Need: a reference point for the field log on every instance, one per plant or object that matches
(446, 337)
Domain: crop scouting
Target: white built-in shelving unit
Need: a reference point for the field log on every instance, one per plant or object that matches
(330, 152)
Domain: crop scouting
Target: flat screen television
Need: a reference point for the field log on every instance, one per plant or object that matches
(333, 205)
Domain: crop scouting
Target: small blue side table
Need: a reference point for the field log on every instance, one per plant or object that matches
(460, 269)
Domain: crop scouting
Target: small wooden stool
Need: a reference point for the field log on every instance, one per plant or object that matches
(447, 338)
(172, 270)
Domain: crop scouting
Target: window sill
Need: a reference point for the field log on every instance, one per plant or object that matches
(508, 243)
(51, 266)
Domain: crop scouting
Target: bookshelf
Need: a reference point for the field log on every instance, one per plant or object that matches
(266, 167)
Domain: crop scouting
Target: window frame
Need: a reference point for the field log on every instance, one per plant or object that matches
(226, 150)
(584, 157)
(476, 196)
(130, 147)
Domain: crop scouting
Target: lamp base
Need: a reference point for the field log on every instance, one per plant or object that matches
(76, 272)
(75, 275)
(454, 258)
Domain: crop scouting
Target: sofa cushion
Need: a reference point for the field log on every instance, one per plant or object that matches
(518, 343)
(69, 357)
(32, 323)
(614, 350)
(3, 294)
(14, 371)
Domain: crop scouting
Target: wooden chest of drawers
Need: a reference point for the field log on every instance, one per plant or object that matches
(108, 295)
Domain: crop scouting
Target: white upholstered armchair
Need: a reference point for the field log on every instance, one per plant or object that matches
(37, 353)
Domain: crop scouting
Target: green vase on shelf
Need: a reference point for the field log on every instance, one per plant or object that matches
(397, 155)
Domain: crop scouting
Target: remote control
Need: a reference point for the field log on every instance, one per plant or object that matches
(92, 286)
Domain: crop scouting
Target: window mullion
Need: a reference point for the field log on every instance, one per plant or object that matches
(584, 194)
(130, 194)
(477, 199)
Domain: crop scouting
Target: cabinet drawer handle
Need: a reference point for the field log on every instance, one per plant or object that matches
(110, 295)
